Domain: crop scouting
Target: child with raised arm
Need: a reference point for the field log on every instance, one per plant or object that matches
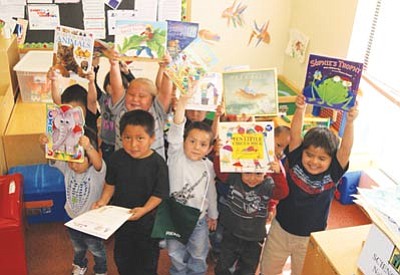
(137, 178)
(142, 94)
(244, 215)
(83, 185)
(192, 184)
(314, 165)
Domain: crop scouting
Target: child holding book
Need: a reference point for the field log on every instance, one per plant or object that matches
(83, 185)
(137, 178)
(192, 184)
(314, 166)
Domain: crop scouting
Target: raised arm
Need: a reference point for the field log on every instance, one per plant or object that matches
(117, 87)
(164, 84)
(344, 151)
(92, 154)
(53, 75)
(92, 93)
(297, 123)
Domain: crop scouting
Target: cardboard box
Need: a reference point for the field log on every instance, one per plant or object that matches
(6, 107)
(9, 56)
(32, 76)
(335, 251)
(379, 254)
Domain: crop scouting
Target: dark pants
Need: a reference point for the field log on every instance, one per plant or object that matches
(135, 252)
(246, 253)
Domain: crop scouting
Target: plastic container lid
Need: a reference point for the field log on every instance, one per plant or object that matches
(35, 61)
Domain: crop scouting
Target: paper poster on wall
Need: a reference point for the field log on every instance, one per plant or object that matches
(169, 10)
(40, 1)
(43, 17)
(234, 14)
(260, 34)
(297, 45)
(113, 3)
(121, 15)
(66, 1)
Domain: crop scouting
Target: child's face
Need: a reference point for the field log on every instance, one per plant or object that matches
(315, 160)
(252, 179)
(138, 98)
(195, 115)
(197, 144)
(136, 141)
(79, 168)
(281, 141)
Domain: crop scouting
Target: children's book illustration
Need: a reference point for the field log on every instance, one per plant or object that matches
(209, 36)
(297, 45)
(332, 82)
(192, 63)
(64, 127)
(180, 34)
(208, 94)
(246, 146)
(141, 40)
(234, 14)
(103, 48)
(260, 34)
(253, 92)
(73, 51)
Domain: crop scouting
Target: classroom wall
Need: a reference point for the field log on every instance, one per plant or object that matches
(328, 24)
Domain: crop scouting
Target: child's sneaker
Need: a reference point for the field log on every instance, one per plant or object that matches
(77, 270)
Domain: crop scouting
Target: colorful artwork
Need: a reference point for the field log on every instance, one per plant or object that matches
(332, 82)
(246, 146)
(311, 122)
(297, 45)
(209, 36)
(192, 63)
(64, 127)
(180, 35)
(234, 14)
(141, 40)
(260, 34)
(253, 92)
(208, 94)
(73, 51)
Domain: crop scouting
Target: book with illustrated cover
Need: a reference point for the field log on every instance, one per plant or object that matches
(73, 51)
(332, 82)
(208, 94)
(141, 40)
(180, 35)
(103, 48)
(64, 127)
(246, 146)
(192, 63)
(251, 92)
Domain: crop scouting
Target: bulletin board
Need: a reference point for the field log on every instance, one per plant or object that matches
(71, 15)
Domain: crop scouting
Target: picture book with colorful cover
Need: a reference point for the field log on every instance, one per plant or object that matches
(103, 48)
(208, 94)
(192, 63)
(141, 40)
(180, 35)
(246, 146)
(332, 82)
(64, 127)
(73, 51)
(251, 92)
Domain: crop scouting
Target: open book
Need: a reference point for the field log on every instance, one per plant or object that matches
(101, 222)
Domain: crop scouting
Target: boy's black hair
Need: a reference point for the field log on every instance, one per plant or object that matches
(202, 126)
(74, 93)
(138, 117)
(125, 81)
(323, 138)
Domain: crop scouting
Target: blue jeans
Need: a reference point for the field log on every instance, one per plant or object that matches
(81, 243)
(190, 259)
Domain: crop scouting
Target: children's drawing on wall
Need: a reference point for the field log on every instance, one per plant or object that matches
(64, 127)
(209, 36)
(260, 34)
(141, 40)
(297, 45)
(234, 14)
